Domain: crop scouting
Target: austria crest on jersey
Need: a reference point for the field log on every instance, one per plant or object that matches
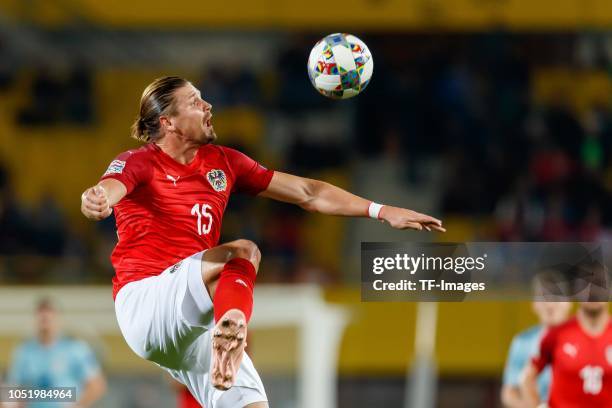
(217, 179)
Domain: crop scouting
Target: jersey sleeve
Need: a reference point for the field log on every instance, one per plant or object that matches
(250, 176)
(546, 350)
(517, 358)
(131, 169)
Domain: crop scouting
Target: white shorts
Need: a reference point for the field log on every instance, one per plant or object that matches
(167, 319)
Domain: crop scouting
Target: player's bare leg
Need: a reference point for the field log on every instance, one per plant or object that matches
(215, 259)
(229, 334)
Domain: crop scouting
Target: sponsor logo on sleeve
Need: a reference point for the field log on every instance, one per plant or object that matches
(217, 179)
(116, 167)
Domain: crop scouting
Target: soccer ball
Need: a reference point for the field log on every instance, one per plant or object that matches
(340, 66)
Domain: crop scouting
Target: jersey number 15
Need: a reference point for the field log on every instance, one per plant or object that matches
(205, 219)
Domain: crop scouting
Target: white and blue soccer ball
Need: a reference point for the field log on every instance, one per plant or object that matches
(340, 66)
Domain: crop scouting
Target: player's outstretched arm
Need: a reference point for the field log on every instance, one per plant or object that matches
(318, 196)
(97, 202)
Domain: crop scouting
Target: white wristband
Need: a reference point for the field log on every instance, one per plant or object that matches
(374, 210)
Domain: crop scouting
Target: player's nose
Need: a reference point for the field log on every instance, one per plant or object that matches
(206, 106)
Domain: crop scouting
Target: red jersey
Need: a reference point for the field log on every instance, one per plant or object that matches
(581, 366)
(172, 211)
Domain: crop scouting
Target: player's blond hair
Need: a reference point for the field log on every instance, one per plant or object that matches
(157, 100)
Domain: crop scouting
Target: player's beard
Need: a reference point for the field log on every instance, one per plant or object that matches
(208, 132)
(209, 135)
(204, 135)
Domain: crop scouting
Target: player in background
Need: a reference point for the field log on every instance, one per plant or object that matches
(580, 355)
(53, 360)
(524, 347)
(174, 283)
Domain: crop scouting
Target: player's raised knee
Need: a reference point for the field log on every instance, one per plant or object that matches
(244, 248)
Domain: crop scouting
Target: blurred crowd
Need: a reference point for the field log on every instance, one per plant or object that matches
(543, 169)
(59, 98)
(464, 104)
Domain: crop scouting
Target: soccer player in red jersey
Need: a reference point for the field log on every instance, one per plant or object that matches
(580, 354)
(182, 299)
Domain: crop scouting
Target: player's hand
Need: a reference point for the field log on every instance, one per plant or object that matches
(94, 203)
(402, 218)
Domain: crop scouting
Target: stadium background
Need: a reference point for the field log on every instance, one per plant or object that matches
(494, 115)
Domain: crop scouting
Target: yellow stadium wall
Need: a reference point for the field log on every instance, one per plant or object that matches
(365, 14)
(472, 337)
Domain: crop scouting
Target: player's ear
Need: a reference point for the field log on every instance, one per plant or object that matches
(166, 123)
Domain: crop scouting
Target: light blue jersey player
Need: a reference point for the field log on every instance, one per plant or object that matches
(524, 346)
(50, 360)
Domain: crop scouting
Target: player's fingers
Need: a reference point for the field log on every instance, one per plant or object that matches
(91, 197)
(94, 206)
(86, 194)
(96, 197)
(437, 228)
(94, 215)
(423, 218)
(107, 212)
(98, 215)
(99, 190)
(412, 225)
(96, 211)
(95, 201)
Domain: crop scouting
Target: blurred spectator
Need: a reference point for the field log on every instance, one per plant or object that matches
(46, 100)
(7, 69)
(50, 227)
(15, 229)
(295, 91)
(230, 85)
(55, 99)
(78, 94)
(52, 360)
(303, 150)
